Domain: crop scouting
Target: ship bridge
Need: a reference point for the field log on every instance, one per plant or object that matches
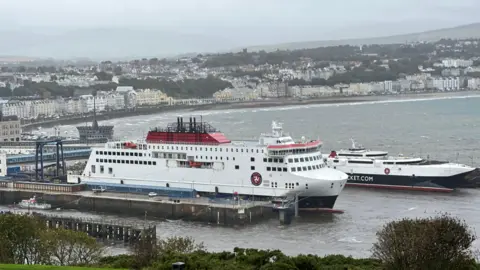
(280, 144)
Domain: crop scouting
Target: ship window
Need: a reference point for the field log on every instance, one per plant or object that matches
(227, 158)
(236, 150)
(97, 159)
(114, 153)
(309, 168)
(221, 158)
(262, 151)
(336, 161)
(110, 170)
(233, 158)
(269, 160)
(211, 149)
(257, 151)
(140, 154)
(109, 153)
(123, 161)
(123, 153)
(274, 169)
(211, 157)
(279, 169)
(226, 149)
(264, 159)
(96, 152)
(280, 160)
(136, 161)
(176, 147)
(109, 161)
(114, 161)
(132, 154)
(216, 157)
(296, 160)
(196, 156)
(293, 169)
(181, 148)
(149, 163)
(201, 148)
(301, 159)
(269, 169)
(101, 169)
(220, 149)
(360, 161)
(93, 168)
(252, 168)
(237, 167)
(284, 169)
(136, 154)
(242, 150)
(154, 163)
(304, 168)
(252, 159)
(290, 160)
(216, 149)
(275, 160)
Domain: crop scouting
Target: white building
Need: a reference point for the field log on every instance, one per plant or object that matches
(446, 84)
(473, 83)
(455, 63)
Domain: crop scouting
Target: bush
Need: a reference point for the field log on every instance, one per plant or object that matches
(442, 242)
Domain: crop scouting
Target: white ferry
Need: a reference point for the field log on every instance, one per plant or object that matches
(376, 169)
(195, 156)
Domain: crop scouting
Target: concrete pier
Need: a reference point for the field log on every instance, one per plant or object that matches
(189, 209)
(116, 231)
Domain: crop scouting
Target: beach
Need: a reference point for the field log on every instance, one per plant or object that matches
(273, 102)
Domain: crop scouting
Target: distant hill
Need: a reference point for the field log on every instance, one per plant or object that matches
(459, 32)
(125, 44)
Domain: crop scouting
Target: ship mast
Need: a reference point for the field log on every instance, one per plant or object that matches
(95, 123)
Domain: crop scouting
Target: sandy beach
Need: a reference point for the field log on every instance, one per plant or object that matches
(277, 102)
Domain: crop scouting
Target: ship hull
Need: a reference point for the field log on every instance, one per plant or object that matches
(403, 182)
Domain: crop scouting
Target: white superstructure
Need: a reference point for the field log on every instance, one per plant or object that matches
(273, 166)
(376, 168)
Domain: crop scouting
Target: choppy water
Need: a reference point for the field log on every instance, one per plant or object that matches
(447, 129)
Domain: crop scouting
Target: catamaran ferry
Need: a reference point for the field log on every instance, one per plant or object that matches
(376, 169)
(194, 155)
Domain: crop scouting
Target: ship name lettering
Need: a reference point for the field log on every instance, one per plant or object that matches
(362, 178)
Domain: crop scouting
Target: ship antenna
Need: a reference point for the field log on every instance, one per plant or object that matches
(353, 143)
(95, 123)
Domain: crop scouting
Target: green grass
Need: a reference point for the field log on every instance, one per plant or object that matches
(44, 267)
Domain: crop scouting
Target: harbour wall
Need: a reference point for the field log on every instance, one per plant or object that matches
(190, 210)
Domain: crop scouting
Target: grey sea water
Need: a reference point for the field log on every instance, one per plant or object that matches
(447, 129)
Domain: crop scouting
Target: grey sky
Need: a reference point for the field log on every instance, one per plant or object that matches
(242, 22)
(275, 18)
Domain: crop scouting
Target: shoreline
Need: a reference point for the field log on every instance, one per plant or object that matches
(272, 103)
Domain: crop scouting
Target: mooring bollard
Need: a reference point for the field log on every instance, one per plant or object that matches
(178, 266)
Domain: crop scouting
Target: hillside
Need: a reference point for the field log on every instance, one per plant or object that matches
(459, 32)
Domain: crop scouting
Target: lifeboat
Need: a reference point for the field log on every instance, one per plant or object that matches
(194, 164)
(130, 145)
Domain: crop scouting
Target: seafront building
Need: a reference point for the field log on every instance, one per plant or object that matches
(10, 128)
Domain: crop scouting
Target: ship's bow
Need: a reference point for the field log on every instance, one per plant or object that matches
(322, 187)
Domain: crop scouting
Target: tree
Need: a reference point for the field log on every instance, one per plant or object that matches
(441, 242)
(20, 240)
(147, 250)
(103, 76)
(117, 70)
(66, 247)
